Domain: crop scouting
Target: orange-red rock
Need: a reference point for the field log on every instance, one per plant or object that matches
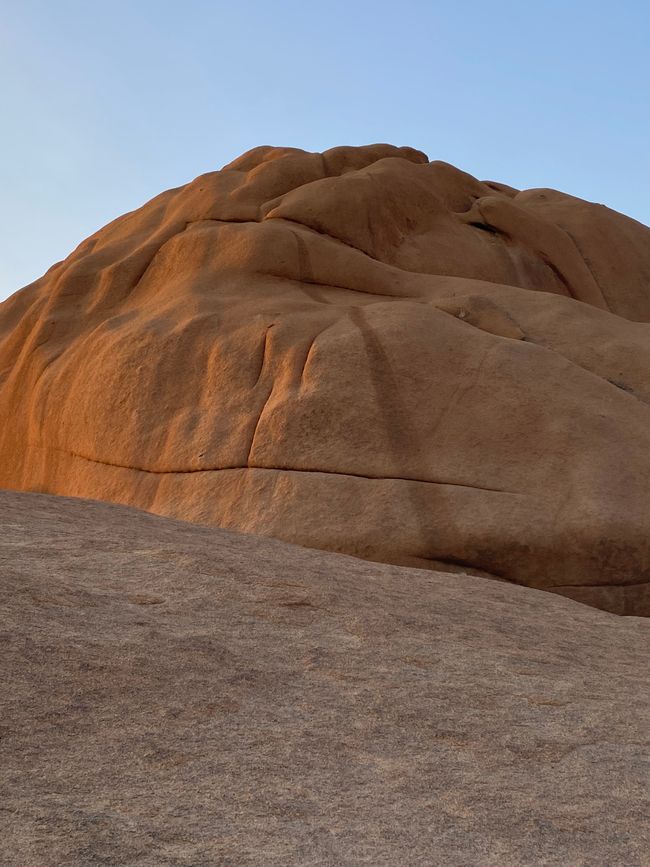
(359, 351)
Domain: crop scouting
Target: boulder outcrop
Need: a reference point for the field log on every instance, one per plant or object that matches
(361, 351)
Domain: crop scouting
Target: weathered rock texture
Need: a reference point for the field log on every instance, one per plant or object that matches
(180, 695)
(359, 351)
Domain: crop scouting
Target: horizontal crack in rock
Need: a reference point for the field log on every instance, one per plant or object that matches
(188, 471)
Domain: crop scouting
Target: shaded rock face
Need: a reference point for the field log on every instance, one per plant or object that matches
(179, 695)
(360, 351)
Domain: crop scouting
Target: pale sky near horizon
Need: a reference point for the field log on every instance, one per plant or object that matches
(104, 105)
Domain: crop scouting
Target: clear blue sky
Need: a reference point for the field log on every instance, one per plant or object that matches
(105, 104)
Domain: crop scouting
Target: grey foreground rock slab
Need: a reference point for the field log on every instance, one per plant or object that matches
(178, 695)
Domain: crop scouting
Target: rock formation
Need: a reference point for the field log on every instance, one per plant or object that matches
(361, 351)
(180, 695)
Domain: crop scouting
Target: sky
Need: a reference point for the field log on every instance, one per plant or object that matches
(104, 105)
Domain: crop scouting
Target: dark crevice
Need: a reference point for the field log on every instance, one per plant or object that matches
(189, 471)
(485, 227)
(622, 386)
(560, 276)
(263, 353)
(640, 582)
(587, 265)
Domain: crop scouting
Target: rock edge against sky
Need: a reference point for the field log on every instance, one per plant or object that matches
(360, 351)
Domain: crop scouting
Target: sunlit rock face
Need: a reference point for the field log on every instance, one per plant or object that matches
(360, 351)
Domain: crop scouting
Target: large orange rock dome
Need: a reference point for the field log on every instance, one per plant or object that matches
(360, 351)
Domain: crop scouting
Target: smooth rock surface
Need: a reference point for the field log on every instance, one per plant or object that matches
(359, 351)
(179, 695)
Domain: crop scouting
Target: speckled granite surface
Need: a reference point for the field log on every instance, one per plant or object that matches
(179, 695)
